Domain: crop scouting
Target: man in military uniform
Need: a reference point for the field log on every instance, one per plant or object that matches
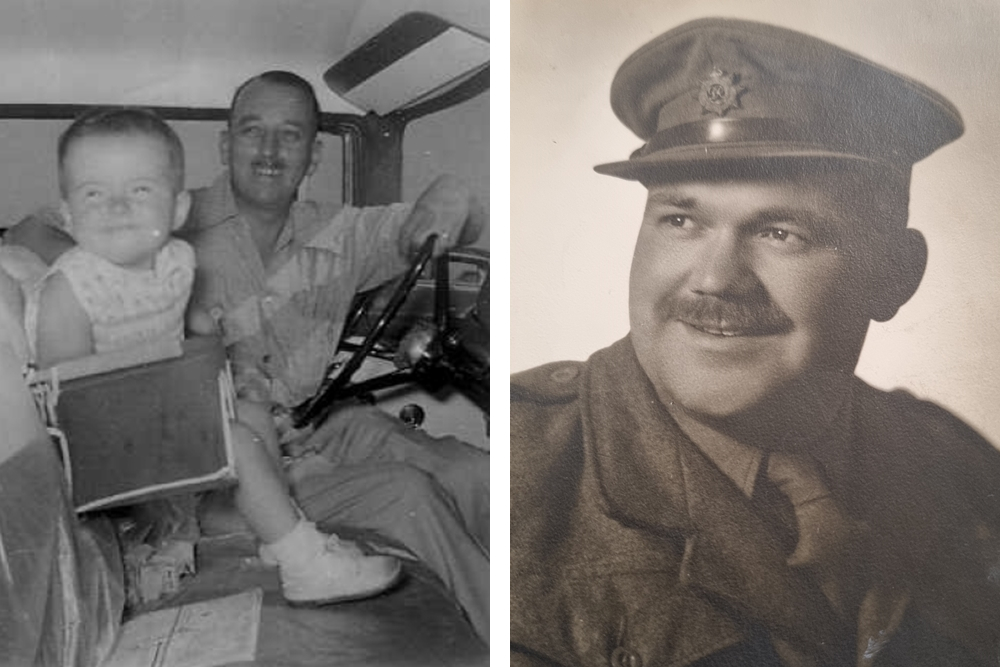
(718, 488)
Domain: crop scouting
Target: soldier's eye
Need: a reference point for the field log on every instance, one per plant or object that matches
(794, 238)
(676, 220)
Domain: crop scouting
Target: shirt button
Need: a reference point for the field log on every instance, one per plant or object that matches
(267, 305)
(266, 360)
(622, 657)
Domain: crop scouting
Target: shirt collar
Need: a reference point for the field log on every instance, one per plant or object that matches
(741, 463)
(213, 205)
(216, 205)
(737, 461)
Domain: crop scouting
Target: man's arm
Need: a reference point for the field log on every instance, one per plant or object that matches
(64, 329)
(385, 239)
(447, 208)
(42, 233)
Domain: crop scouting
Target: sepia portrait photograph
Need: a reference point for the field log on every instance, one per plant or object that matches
(755, 333)
(245, 333)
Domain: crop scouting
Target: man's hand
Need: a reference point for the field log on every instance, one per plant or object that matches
(446, 208)
(201, 322)
(366, 428)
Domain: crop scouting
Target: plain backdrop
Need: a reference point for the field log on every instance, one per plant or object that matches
(572, 230)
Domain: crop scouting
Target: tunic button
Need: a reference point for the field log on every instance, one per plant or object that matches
(565, 374)
(622, 657)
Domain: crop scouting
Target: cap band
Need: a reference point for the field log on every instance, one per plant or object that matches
(760, 130)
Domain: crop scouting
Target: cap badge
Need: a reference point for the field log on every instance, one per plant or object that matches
(720, 92)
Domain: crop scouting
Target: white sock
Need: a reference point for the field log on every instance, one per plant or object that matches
(299, 546)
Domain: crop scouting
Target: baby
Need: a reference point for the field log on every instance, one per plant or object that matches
(127, 281)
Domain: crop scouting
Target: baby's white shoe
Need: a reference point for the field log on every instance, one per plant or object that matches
(267, 557)
(318, 569)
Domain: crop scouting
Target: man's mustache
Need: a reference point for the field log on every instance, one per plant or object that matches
(267, 164)
(752, 314)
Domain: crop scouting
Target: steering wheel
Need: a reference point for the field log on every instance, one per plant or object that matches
(316, 409)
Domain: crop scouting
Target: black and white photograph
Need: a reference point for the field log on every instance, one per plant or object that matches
(245, 333)
(755, 333)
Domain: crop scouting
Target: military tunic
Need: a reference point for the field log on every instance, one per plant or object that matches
(630, 547)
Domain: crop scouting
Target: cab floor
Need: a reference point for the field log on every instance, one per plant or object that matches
(415, 623)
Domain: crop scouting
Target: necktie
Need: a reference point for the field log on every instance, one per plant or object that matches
(826, 535)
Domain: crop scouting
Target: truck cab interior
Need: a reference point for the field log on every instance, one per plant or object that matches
(403, 87)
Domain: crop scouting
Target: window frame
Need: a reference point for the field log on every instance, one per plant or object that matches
(349, 127)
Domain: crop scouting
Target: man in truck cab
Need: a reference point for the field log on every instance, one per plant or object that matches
(718, 487)
(278, 276)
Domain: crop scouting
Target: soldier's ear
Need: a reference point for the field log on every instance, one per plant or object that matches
(905, 261)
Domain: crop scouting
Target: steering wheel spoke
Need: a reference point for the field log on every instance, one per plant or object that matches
(317, 408)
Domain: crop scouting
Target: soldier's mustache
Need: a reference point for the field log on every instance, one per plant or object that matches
(746, 315)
